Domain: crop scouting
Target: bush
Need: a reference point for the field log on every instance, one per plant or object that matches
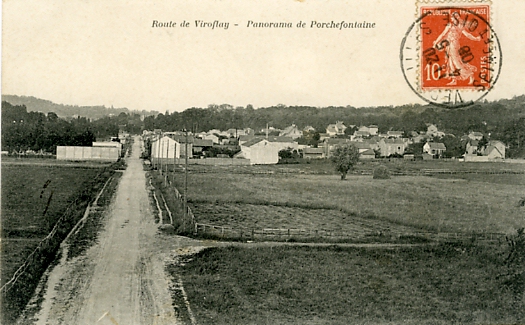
(381, 172)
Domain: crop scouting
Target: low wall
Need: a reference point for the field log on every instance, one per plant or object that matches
(87, 153)
(207, 161)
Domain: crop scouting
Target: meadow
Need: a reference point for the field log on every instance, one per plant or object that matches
(463, 202)
(443, 284)
(34, 198)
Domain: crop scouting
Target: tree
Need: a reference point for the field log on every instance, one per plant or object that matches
(344, 158)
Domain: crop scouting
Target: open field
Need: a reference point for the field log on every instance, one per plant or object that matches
(447, 203)
(34, 198)
(444, 284)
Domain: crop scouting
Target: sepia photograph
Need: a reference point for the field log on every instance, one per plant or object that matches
(224, 162)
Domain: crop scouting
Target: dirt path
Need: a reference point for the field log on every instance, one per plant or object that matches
(121, 280)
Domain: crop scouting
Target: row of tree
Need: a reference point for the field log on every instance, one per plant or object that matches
(23, 130)
(502, 120)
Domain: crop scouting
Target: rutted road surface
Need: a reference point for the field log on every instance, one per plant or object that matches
(120, 280)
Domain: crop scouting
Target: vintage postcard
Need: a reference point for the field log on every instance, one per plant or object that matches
(262, 162)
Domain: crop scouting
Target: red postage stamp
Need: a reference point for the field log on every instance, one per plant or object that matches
(455, 48)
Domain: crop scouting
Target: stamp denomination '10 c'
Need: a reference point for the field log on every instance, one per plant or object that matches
(451, 55)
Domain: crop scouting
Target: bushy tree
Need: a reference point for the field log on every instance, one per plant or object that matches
(344, 157)
(381, 172)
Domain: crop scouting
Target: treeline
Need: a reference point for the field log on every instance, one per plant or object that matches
(69, 111)
(23, 130)
(501, 120)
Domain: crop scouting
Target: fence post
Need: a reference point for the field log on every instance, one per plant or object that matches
(253, 233)
(288, 232)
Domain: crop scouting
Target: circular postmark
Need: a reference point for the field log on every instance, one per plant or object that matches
(450, 56)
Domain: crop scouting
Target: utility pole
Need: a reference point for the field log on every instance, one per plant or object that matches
(186, 177)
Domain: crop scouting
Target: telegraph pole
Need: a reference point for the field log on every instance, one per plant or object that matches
(186, 177)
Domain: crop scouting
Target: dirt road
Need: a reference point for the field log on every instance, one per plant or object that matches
(121, 280)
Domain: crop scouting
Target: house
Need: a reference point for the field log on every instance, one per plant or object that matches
(245, 138)
(475, 136)
(263, 151)
(330, 144)
(471, 147)
(432, 131)
(164, 148)
(182, 139)
(291, 131)
(373, 129)
(495, 150)
(201, 145)
(434, 148)
(235, 132)
(336, 129)
(389, 147)
(394, 134)
(212, 137)
(367, 154)
(313, 153)
(361, 146)
(361, 134)
(109, 144)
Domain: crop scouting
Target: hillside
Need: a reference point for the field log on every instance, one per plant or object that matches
(34, 104)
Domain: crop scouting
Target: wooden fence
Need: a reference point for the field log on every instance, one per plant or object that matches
(201, 229)
(225, 232)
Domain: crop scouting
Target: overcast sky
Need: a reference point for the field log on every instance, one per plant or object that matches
(107, 53)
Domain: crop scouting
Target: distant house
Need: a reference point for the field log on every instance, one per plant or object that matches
(336, 129)
(181, 139)
(291, 131)
(475, 135)
(471, 147)
(361, 134)
(109, 144)
(245, 138)
(313, 153)
(367, 154)
(212, 137)
(394, 134)
(262, 151)
(330, 143)
(434, 148)
(495, 150)
(362, 146)
(201, 145)
(390, 147)
(432, 131)
(373, 129)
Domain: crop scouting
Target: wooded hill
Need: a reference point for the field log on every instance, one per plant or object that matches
(34, 104)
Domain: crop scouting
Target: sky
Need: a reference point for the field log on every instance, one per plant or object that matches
(80, 52)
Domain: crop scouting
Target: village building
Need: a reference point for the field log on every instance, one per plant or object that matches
(434, 148)
(367, 154)
(389, 147)
(432, 131)
(336, 129)
(291, 131)
(313, 153)
(263, 151)
(394, 134)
